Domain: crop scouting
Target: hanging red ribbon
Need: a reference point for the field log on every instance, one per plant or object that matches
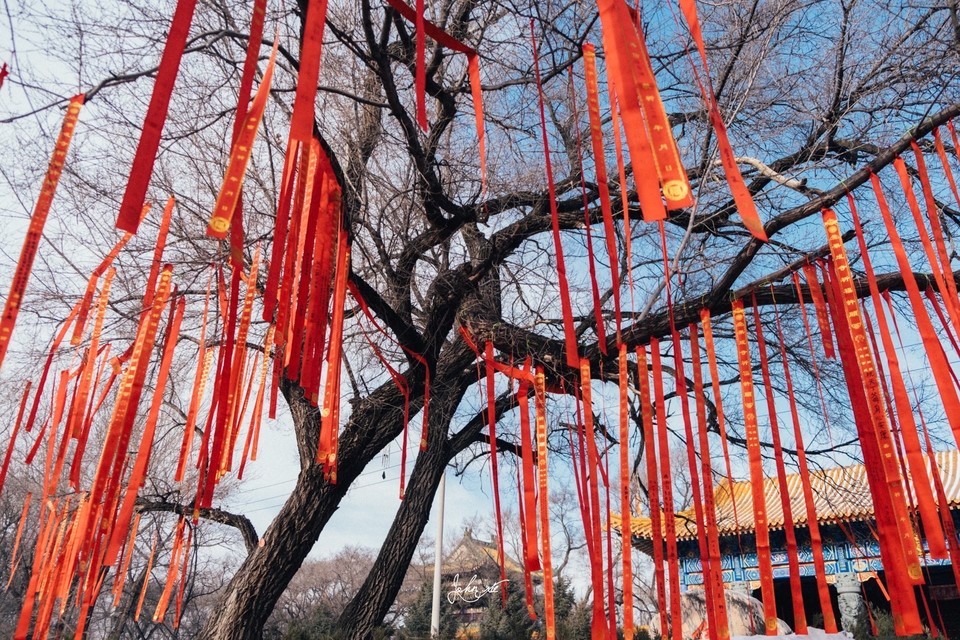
(721, 626)
(138, 474)
(897, 546)
(935, 266)
(302, 119)
(444, 39)
(164, 602)
(599, 620)
(741, 194)
(330, 411)
(420, 72)
(591, 257)
(16, 430)
(939, 365)
(146, 154)
(600, 164)
(793, 559)
(706, 563)
(897, 543)
(569, 331)
(933, 214)
(254, 42)
(820, 306)
(718, 403)
(531, 559)
(945, 164)
(666, 484)
(653, 486)
(813, 521)
(648, 130)
(494, 471)
(904, 409)
(626, 507)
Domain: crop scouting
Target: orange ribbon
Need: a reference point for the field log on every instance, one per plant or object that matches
(330, 411)
(302, 119)
(741, 194)
(443, 38)
(756, 468)
(813, 522)
(540, 407)
(894, 532)
(37, 221)
(666, 484)
(494, 470)
(904, 409)
(229, 197)
(721, 624)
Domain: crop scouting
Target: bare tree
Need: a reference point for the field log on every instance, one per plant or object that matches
(816, 94)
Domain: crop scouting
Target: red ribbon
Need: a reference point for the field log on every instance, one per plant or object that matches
(330, 411)
(146, 154)
(648, 130)
(653, 486)
(738, 188)
(939, 364)
(591, 257)
(897, 546)
(302, 121)
(666, 483)
(444, 39)
(626, 530)
(720, 629)
(494, 471)
(813, 522)
(718, 403)
(897, 543)
(793, 559)
(904, 410)
(751, 426)
(569, 331)
(16, 430)
(600, 163)
(706, 562)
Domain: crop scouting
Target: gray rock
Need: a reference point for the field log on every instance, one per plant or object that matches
(745, 615)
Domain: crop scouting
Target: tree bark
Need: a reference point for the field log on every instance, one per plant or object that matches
(372, 602)
(252, 593)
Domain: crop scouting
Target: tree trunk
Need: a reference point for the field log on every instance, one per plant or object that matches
(371, 603)
(253, 591)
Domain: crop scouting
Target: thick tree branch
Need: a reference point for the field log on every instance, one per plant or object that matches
(237, 521)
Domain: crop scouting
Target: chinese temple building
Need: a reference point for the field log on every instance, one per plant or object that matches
(470, 577)
(853, 568)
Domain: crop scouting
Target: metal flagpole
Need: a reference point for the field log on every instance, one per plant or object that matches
(438, 559)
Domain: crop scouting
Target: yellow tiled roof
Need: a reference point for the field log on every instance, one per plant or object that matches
(839, 493)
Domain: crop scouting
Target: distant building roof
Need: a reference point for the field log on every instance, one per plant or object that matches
(839, 493)
(472, 555)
